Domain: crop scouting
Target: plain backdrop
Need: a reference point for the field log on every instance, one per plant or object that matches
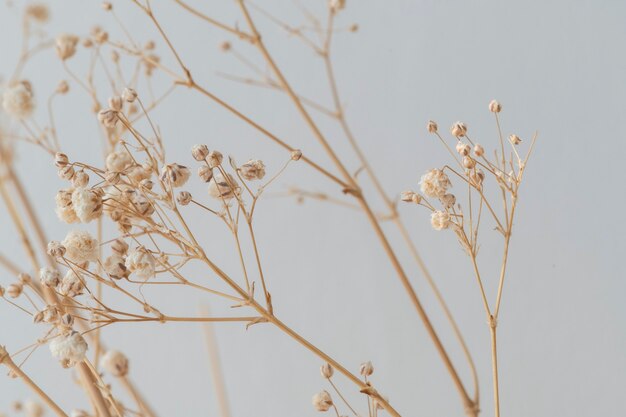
(558, 68)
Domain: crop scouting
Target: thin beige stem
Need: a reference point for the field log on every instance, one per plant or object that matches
(137, 397)
(494, 366)
(5, 359)
(216, 371)
(91, 385)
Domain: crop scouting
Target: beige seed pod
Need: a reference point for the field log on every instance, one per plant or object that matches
(120, 247)
(205, 173)
(459, 129)
(199, 152)
(108, 118)
(184, 198)
(322, 401)
(129, 95)
(115, 103)
(66, 46)
(515, 140)
(469, 162)
(15, 290)
(463, 148)
(63, 87)
(80, 179)
(479, 150)
(431, 126)
(114, 267)
(296, 155)
(252, 170)
(225, 46)
(327, 370)
(115, 363)
(56, 249)
(366, 368)
(176, 175)
(214, 159)
(60, 160)
(106, 6)
(66, 173)
(495, 107)
(448, 200)
(407, 196)
(24, 278)
(49, 277)
(67, 320)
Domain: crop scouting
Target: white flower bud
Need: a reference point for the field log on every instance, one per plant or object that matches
(440, 220)
(458, 129)
(66, 46)
(214, 159)
(327, 370)
(432, 126)
(252, 170)
(199, 152)
(69, 349)
(322, 401)
(56, 249)
(129, 95)
(495, 107)
(115, 363)
(366, 368)
(49, 277)
(184, 198)
(479, 150)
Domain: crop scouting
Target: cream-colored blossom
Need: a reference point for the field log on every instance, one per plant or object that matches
(81, 247)
(69, 349)
(71, 285)
(87, 204)
(140, 263)
(175, 174)
(440, 220)
(18, 100)
(118, 161)
(66, 45)
(65, 211)
(115, 266)
(435, 183)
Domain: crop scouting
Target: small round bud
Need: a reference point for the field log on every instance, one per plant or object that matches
(252, 170)
(146, 184)
(120, 247)
(322, 401)
(458, 129)
(66, 173)
(199, 152)
(225, 46)
(366, 368)
(56, 249)
(108, 118)
(327, 370)
(63, 87)
(479, 150)
(463, 148)
(115, 103)
(296, 155)
(432, 126)
(80, 179)
(61, 160)
(129, 95)
(205, 173)
(184, 198)
(469, 162)
(106, 6)
(495, 107)
(15, 290)
(407, 196)
(214, 159)
(24, 278)
(115, 363)
(448, 200)
(515, 140)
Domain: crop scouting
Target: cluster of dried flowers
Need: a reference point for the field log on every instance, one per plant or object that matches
(140, 198)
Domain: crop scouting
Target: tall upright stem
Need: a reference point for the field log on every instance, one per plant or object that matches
(494, 368)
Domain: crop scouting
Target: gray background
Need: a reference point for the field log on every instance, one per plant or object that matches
(558, 68)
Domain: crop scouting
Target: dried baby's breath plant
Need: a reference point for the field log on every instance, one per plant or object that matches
(129, 217)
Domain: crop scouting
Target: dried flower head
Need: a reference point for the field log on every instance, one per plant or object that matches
(431, 126)
(458, 129)
(221, 187)
(115, 266)
(87, 204)
(176, 175)
(463, 148)
(66, 45)
(336, 5)
(55, 249)
(119, 247)
(252, 170)
(479, 150)
(118, 161)
(440, 220)
(69, 349)
(65, 211)
(108, 118)
(435, 183)
(322, 401)
(141, 263)
(469, 162)
(49, 277)
(80, 179)
(448, 200)
(81, 247)
(63, 87)
(18, 100)
(296, 154)
(115, 363)
(71, 285)
(116, 103)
